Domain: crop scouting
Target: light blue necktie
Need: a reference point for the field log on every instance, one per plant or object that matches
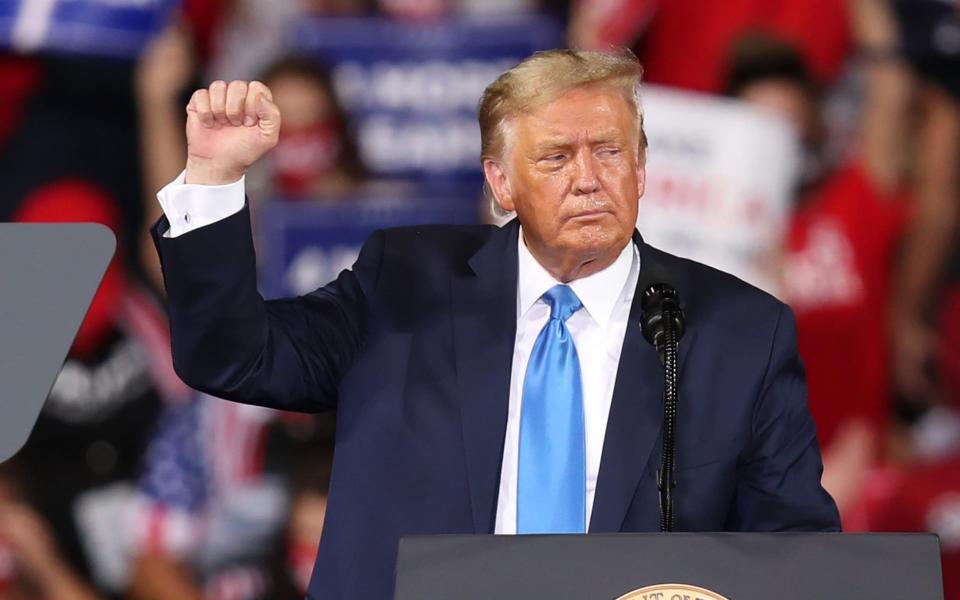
(551, 479)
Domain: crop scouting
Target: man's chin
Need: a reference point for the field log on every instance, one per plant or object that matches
(596, 244)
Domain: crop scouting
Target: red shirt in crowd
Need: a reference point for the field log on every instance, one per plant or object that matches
(685, 43)
(948, 351)
(838, 266)
(924, 496)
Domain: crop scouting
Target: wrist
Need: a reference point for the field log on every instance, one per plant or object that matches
(46, 569)
(879, 53)
(165, 102)
(207, 173)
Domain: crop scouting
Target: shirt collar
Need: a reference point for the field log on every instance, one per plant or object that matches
(598, 292)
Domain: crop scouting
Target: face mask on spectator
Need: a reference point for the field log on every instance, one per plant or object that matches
(305, 155)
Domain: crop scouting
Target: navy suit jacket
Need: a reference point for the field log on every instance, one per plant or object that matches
(413, 348)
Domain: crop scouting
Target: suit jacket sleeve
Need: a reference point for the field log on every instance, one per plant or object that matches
(228, 342)
(779, 479)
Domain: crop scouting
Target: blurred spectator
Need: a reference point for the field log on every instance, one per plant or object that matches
(931, 32)
(19, 78)
(206, 510)
(85, 448)
(341, 7)
(31, 567)
(250, 35)
(838, 263)
(77, 122)
(434, 9)
(212, 503)
(929, 241)
(926, 497)
(317, 155)
(949, 328)
(166, 67)
(686, 43)
(209, 512)
(917, 489)
(308, 508)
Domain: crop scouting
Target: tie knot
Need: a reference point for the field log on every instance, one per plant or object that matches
(563, 302)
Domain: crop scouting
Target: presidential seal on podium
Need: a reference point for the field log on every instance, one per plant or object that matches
(672, 591)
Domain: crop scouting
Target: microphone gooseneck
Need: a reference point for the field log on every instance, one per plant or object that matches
(663, 324)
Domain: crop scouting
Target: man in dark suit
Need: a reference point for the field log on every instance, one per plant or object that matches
(495, 379)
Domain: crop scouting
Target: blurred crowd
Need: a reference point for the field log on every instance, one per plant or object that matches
(132, 485)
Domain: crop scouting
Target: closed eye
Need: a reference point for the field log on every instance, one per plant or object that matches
(552, 162)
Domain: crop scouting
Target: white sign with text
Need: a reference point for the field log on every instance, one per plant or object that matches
(719, 182)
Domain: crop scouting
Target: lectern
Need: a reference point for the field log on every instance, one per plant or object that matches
(674, 566)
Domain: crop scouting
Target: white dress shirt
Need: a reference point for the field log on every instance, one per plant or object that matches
(189, 206)
(597, 329)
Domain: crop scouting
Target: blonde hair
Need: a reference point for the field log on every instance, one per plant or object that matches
(546, 76)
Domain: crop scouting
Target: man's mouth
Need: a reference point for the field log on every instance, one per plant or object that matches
(586, 215)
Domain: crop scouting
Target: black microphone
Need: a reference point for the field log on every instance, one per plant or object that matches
(662, 323)
(661, 308)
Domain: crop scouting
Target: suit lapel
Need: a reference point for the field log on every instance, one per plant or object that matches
(636, 412)
(485, 322)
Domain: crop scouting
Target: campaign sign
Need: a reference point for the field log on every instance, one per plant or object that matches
(412, 89)
(305, 245)
(107, 28)
(720, 177)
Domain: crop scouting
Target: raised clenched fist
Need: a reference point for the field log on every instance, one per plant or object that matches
(228, 128)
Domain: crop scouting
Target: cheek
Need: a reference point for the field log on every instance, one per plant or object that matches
(555, 183)
(541, 196)
(620, 181)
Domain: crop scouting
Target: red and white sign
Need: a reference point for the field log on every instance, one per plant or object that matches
(719, 182)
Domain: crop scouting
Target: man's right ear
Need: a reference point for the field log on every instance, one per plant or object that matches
(499, 184)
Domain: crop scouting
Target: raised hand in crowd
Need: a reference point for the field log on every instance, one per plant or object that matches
(36, 554)
(935, 154)
(163, 74)
(930, 238)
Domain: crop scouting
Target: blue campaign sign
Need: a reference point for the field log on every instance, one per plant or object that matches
(107, 28)
(413, 89)
(304, 245)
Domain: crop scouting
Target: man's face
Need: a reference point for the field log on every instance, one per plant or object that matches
(574, 175)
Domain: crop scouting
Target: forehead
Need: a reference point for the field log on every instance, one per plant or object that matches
(594, 110)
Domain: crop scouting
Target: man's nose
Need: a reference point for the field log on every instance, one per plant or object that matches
(585, 178)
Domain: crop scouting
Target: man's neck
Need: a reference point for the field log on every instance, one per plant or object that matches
(570, 268)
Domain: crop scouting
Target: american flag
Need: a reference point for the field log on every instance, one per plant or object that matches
(204, 455)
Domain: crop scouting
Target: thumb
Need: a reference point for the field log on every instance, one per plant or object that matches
(268, 115)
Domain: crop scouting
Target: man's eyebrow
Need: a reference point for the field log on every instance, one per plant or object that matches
(609, 135)
(552, 144)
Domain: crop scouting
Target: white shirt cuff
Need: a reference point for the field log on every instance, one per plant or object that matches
(189, 206)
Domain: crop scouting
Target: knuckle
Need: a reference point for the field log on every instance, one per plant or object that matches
(237, 91)
(261, 88)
